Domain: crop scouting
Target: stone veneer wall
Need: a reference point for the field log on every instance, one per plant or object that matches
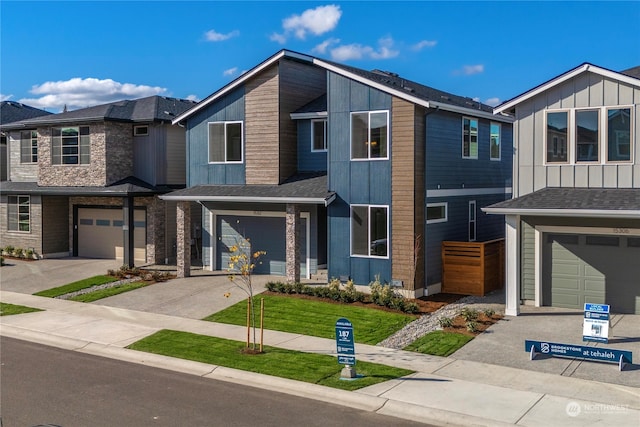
(22, 239)
(19, 172)
(155, 220)
(119, 151)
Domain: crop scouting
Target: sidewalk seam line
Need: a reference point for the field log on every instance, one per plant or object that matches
(530, 408)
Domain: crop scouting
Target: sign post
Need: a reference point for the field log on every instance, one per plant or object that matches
(596, 323)
(345, 348)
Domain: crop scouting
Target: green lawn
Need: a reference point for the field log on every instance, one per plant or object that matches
(108, 292)
(76, 286)
(9, 309)
(439, 343)
(308, 367)
(316, 318)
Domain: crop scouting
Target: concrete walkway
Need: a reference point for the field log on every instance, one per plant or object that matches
(442, 391)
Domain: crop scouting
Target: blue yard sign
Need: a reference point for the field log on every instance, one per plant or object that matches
(344, 342)
(621, 357)
(595, 326)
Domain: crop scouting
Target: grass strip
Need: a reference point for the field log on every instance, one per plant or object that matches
(76, 286)
(316, 318)
(308, 367)
(9, 309)
(108, 292)
(439, 343)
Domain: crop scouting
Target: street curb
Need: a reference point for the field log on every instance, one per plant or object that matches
(434, 416)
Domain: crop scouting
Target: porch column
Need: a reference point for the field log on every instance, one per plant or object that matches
(128, 232)
(512, 265)
(183, 239)
(293, 243)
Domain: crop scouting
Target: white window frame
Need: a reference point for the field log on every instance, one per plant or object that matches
(446, 212)
(477, 138)
(17, 212)
(368, 158)
(30, 141)
(473, 220)
(313, 124)
(603, 136)
(136, 130)
(491, 125)
(368, 231)
(226, 123)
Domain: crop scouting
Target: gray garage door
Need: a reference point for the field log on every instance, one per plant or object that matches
(100, 234)
(265, 234)
(579, 269)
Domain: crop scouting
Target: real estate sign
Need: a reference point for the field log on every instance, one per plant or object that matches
(344, 342)
(596, 323)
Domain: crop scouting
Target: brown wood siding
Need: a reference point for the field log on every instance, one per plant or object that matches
(55, 224)
(407, 194)
(262, 157)
(299, 84)
(472, 268)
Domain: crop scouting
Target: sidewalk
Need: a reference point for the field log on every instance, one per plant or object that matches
(443, 391)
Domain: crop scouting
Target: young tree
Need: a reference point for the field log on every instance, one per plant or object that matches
(242, 262)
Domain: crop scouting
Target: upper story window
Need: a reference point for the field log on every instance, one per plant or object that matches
(141, 130)
(318, 135)
(598, 135)
(436, 212)
(469, 138)
(369, 230)
(225, 142)
(18, 213)
(557, 136)
(29, 146)
(70, 145)
(370, 135)
(494, 141)
(618, 134)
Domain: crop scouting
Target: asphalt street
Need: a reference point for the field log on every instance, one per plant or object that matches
(43, 385)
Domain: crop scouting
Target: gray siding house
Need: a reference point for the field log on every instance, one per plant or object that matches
(330, 167)
(573, 225)
(86, 182)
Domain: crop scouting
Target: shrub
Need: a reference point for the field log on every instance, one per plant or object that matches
(1, 261)
(469, 314)
(445, 322)
(9, 250)
(411, 307)
(489, 313)
(472, 326)
(28, 253)
(18, 253)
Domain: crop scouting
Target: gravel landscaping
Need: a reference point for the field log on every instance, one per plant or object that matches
(98, 287)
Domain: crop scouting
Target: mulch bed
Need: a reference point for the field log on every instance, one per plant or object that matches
(483, 322)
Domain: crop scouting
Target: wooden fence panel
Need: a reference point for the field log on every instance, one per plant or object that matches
(472, 268)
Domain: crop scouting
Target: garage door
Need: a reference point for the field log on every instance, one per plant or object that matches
(100, 234)
(579, 269)
(265, 234)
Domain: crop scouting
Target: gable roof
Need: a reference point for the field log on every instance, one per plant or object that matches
(11, 112)
(150, 109)
(631, 76)
(386, 82)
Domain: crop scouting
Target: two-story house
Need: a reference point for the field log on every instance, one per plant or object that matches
(323, 165)
(86, 182)
(573, 226)
(10, 112)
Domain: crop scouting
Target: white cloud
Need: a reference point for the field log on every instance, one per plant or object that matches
(230, 71)
(469, 70)
(322, 47)
(424, 43)
(278, 38)
(493, 101)
(214, 36)
(4, 97)
(193, 98)
(358, 51)
(315, 21)
(79, 93)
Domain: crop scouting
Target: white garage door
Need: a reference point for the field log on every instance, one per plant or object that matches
(100, 234)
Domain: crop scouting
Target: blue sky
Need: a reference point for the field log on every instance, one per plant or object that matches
(81, 53)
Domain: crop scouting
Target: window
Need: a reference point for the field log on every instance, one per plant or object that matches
(369, 135)
(140, 130)
(225, 142)
(619, 134)
(369, 230)
(29, 146)
(472, 221)
(436, 212)
(469, 138)
(557, 136)
(494, 141)
(587, 135)
(70, 145)
(18, 210)
(318, 135)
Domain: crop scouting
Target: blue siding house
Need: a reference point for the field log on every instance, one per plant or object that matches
(330, 167)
